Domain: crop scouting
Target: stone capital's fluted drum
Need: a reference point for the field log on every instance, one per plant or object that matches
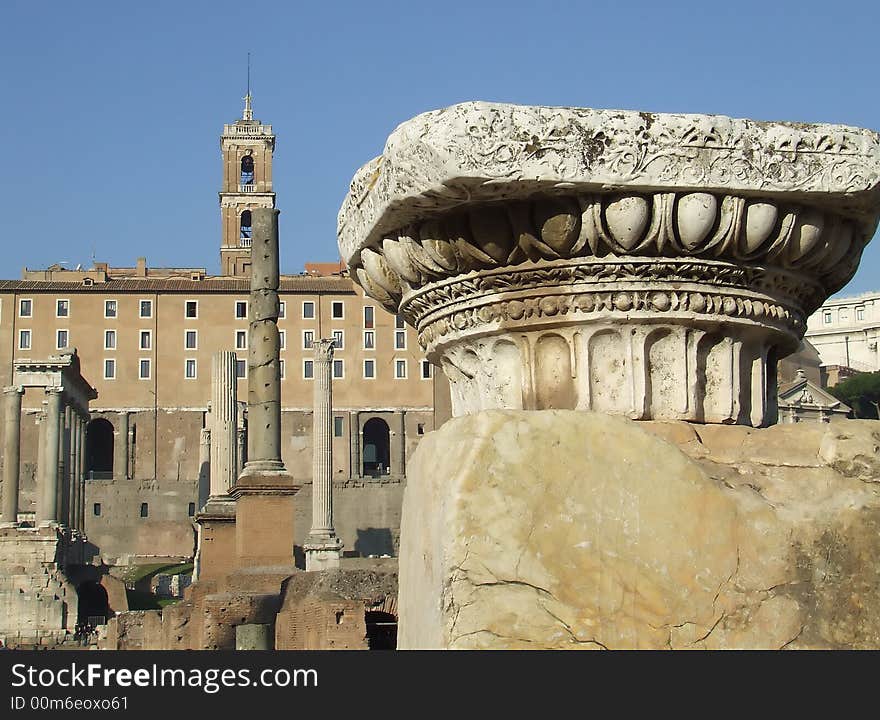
(651, 265)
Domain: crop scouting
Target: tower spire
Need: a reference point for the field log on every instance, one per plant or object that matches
(248, 111)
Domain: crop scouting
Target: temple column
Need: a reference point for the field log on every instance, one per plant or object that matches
(47, 506)
(204, 466)
(11, 454)
(65, 467)
(322, 548)
(354, 431)
(400, 456)
(81, 509)
(120, 451)
(224, 416)
(75, 485)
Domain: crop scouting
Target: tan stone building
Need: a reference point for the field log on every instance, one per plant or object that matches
(145, 338)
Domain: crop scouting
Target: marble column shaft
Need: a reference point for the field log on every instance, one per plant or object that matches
(47, 509)
(322, 442)
(11, 452)
(264, 379)
(120, 452)
(400, 460)
(81, 509)
(224, 417)
(354, 431)
(204, 466)
(75, 486)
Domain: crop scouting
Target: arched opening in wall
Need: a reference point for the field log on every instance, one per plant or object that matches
(94, 605)
(377, 447)
(246, 226)
(247, 170)
(99, 449)
(381, 630)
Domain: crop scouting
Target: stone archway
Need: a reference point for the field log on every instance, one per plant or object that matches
(376, 447)
(99, 448)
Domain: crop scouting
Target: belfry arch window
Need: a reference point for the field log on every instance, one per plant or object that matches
(247, 170)
(246, 225)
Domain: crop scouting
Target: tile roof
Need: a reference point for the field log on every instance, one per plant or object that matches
(289, 284)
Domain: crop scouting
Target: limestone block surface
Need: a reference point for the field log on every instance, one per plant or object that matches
(577, 530)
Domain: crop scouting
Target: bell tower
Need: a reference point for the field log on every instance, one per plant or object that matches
(247, 146)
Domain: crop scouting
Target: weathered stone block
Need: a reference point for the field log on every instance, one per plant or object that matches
(560, 529)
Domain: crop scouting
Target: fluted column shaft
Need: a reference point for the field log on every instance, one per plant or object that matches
(120, 452)
(355, 438)
(400, 460)
(264, 378)
(75, 478)
(81, 505)
(11, 452)
(224, 417)
(47, 509)
(322, 457)
(204, 466)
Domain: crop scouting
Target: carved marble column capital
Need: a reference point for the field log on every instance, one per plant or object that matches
(653, 265)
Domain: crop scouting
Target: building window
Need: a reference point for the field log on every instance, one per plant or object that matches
(245, 225)
(337, 426)
(308, 310)
(191, 509)
(338, 339)
(860, 313)
(191, 339)
(337, 311)
(241, 308)
(61, 339)
(282, 310)
(109, 308)
(25, 307)
(24, 339)
(827, 317)
(282, 339)
(369, 312)
(308, 369)
(308, 339)
(145, 510)
(240, 368)
(146, 339)
(96, 509)
(191, 309)
(338, 369)
(62, 308)
(241, 339)
(109, 339)
(281, 368)
(400, 369)
(144, 368)
(189, 369)
(426, 370)
(109, 369)
(369, 369)
(369, 339)
(146, 308)
(400, 339)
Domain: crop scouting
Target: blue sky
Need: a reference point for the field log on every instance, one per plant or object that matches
(113, 110)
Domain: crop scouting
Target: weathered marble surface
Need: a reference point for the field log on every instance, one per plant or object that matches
(562, 529)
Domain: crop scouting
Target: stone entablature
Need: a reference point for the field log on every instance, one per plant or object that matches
(651, 265)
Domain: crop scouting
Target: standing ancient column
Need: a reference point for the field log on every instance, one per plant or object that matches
(400, 460)
(47, 508)
(81, 471)
(354, 432)
(68, 486)
(204, 466)
(11, 453)
(322, 548)
(224, 418)
(120, 452)
(75, 486)
(264, 377)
